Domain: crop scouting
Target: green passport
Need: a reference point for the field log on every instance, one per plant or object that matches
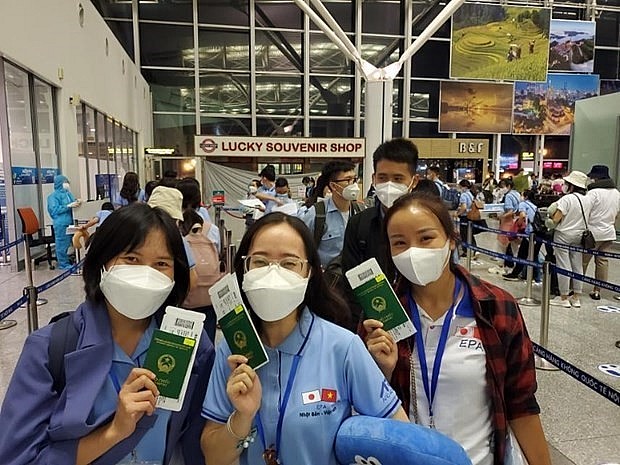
(378, 300)
(242, 337)
(168, 357)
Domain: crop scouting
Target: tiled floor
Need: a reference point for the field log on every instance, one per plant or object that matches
(582, 427)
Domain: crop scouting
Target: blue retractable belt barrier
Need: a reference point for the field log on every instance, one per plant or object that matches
(587, 279)
(597, 386)
(575, 248)
(502, 256)
(500, 231)
(43, 287)
(11, 244)
(14, 306)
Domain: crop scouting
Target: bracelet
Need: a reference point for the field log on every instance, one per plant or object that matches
(244, 442)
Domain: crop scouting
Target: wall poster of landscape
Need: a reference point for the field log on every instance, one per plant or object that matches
(571, 46)
(475, 107)
(497, 42)
(549, 107)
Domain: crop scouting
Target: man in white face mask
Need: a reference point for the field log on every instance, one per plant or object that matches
(328, 219)
(395, 163)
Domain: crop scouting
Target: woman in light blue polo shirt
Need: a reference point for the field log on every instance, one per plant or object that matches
(289, 410)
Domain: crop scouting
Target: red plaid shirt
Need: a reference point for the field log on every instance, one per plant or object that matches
(510, 361)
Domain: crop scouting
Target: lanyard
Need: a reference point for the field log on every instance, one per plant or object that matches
(431, 388)
(284, 402)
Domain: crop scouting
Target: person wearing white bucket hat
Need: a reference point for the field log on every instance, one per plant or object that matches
(569, 218)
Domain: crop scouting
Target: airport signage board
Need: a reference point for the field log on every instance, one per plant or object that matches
(319, 147)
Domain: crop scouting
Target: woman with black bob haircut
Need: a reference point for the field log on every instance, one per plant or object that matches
(105, 411)
(263, 415)
(470, 348)
(130, 191)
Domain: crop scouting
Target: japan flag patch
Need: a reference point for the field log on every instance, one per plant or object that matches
(311, 397)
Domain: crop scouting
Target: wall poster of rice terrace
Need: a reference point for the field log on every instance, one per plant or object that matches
(475, 107)
(500, 42)
(549, 107)
(571, 46)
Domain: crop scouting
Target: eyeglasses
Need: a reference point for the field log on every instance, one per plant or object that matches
(252, 262)
(347, 180)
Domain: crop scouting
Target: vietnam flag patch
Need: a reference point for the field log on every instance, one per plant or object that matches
(329, 395)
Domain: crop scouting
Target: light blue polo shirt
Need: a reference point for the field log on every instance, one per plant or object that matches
(101, 216)
(511, 201)
(123, 202)
(269, 204)
(152, 447)
(335, 225)
(467, 198)
(530, 210)
(334, 365)
(213, 234)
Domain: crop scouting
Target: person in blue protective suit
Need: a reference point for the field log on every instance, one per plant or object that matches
(317, 371)
(60, 205)
(106, 411)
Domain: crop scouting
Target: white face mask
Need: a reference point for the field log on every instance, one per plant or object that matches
(389, 192)
(351, 192)
(274, 292)
(66, 186)
(422, 266)
(136, 291)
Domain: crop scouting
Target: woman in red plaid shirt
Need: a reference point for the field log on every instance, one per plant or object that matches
(469, 369)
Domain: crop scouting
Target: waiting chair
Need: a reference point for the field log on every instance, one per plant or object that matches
(30, 229)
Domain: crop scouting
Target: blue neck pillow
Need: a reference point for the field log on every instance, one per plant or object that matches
(363, 440)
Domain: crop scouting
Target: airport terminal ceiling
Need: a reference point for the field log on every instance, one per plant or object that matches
(296, 73)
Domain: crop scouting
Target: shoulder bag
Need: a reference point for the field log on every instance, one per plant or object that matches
(587, 238)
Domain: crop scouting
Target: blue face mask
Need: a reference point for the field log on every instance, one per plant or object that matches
(282, 196)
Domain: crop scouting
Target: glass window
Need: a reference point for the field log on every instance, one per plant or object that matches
(123, 30)
(326, 57)
(278, 14)
(23, 158)
(424, 99)
(229, 13)
(101, 144)
(432, 60)
(109, 129)
(166, 11)
(118, 148)
(166, 45)
(225, 93)
(381, 17)
(342, 12)
(238, 126)
(113, 8)
(330, 128)
(273, 51)
(222, 49)
(423, 18)
(46, 127)
(278, 95)
(172, 90)
(175, 131)
(424, 129)
(331, 96)
(608, 29)
(607, 63)
(380, 51)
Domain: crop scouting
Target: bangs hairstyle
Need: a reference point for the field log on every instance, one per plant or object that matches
(124, 231)
(428, 202)
(319, 298)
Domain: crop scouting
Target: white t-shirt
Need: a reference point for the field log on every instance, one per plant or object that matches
(605, 207)
(572, 222)
(462, 406)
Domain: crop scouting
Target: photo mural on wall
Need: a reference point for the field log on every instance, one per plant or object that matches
(549, 107)
(499, 42)
(571, 46)
(610, 86)
(469, 106)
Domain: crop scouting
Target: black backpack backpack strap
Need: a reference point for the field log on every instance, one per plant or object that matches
(63, 339)
(319, 222)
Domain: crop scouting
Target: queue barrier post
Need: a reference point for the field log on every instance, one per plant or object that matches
(470, 252)
(33, 311)
(543, 339)
(28, 267)
(528, 300)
